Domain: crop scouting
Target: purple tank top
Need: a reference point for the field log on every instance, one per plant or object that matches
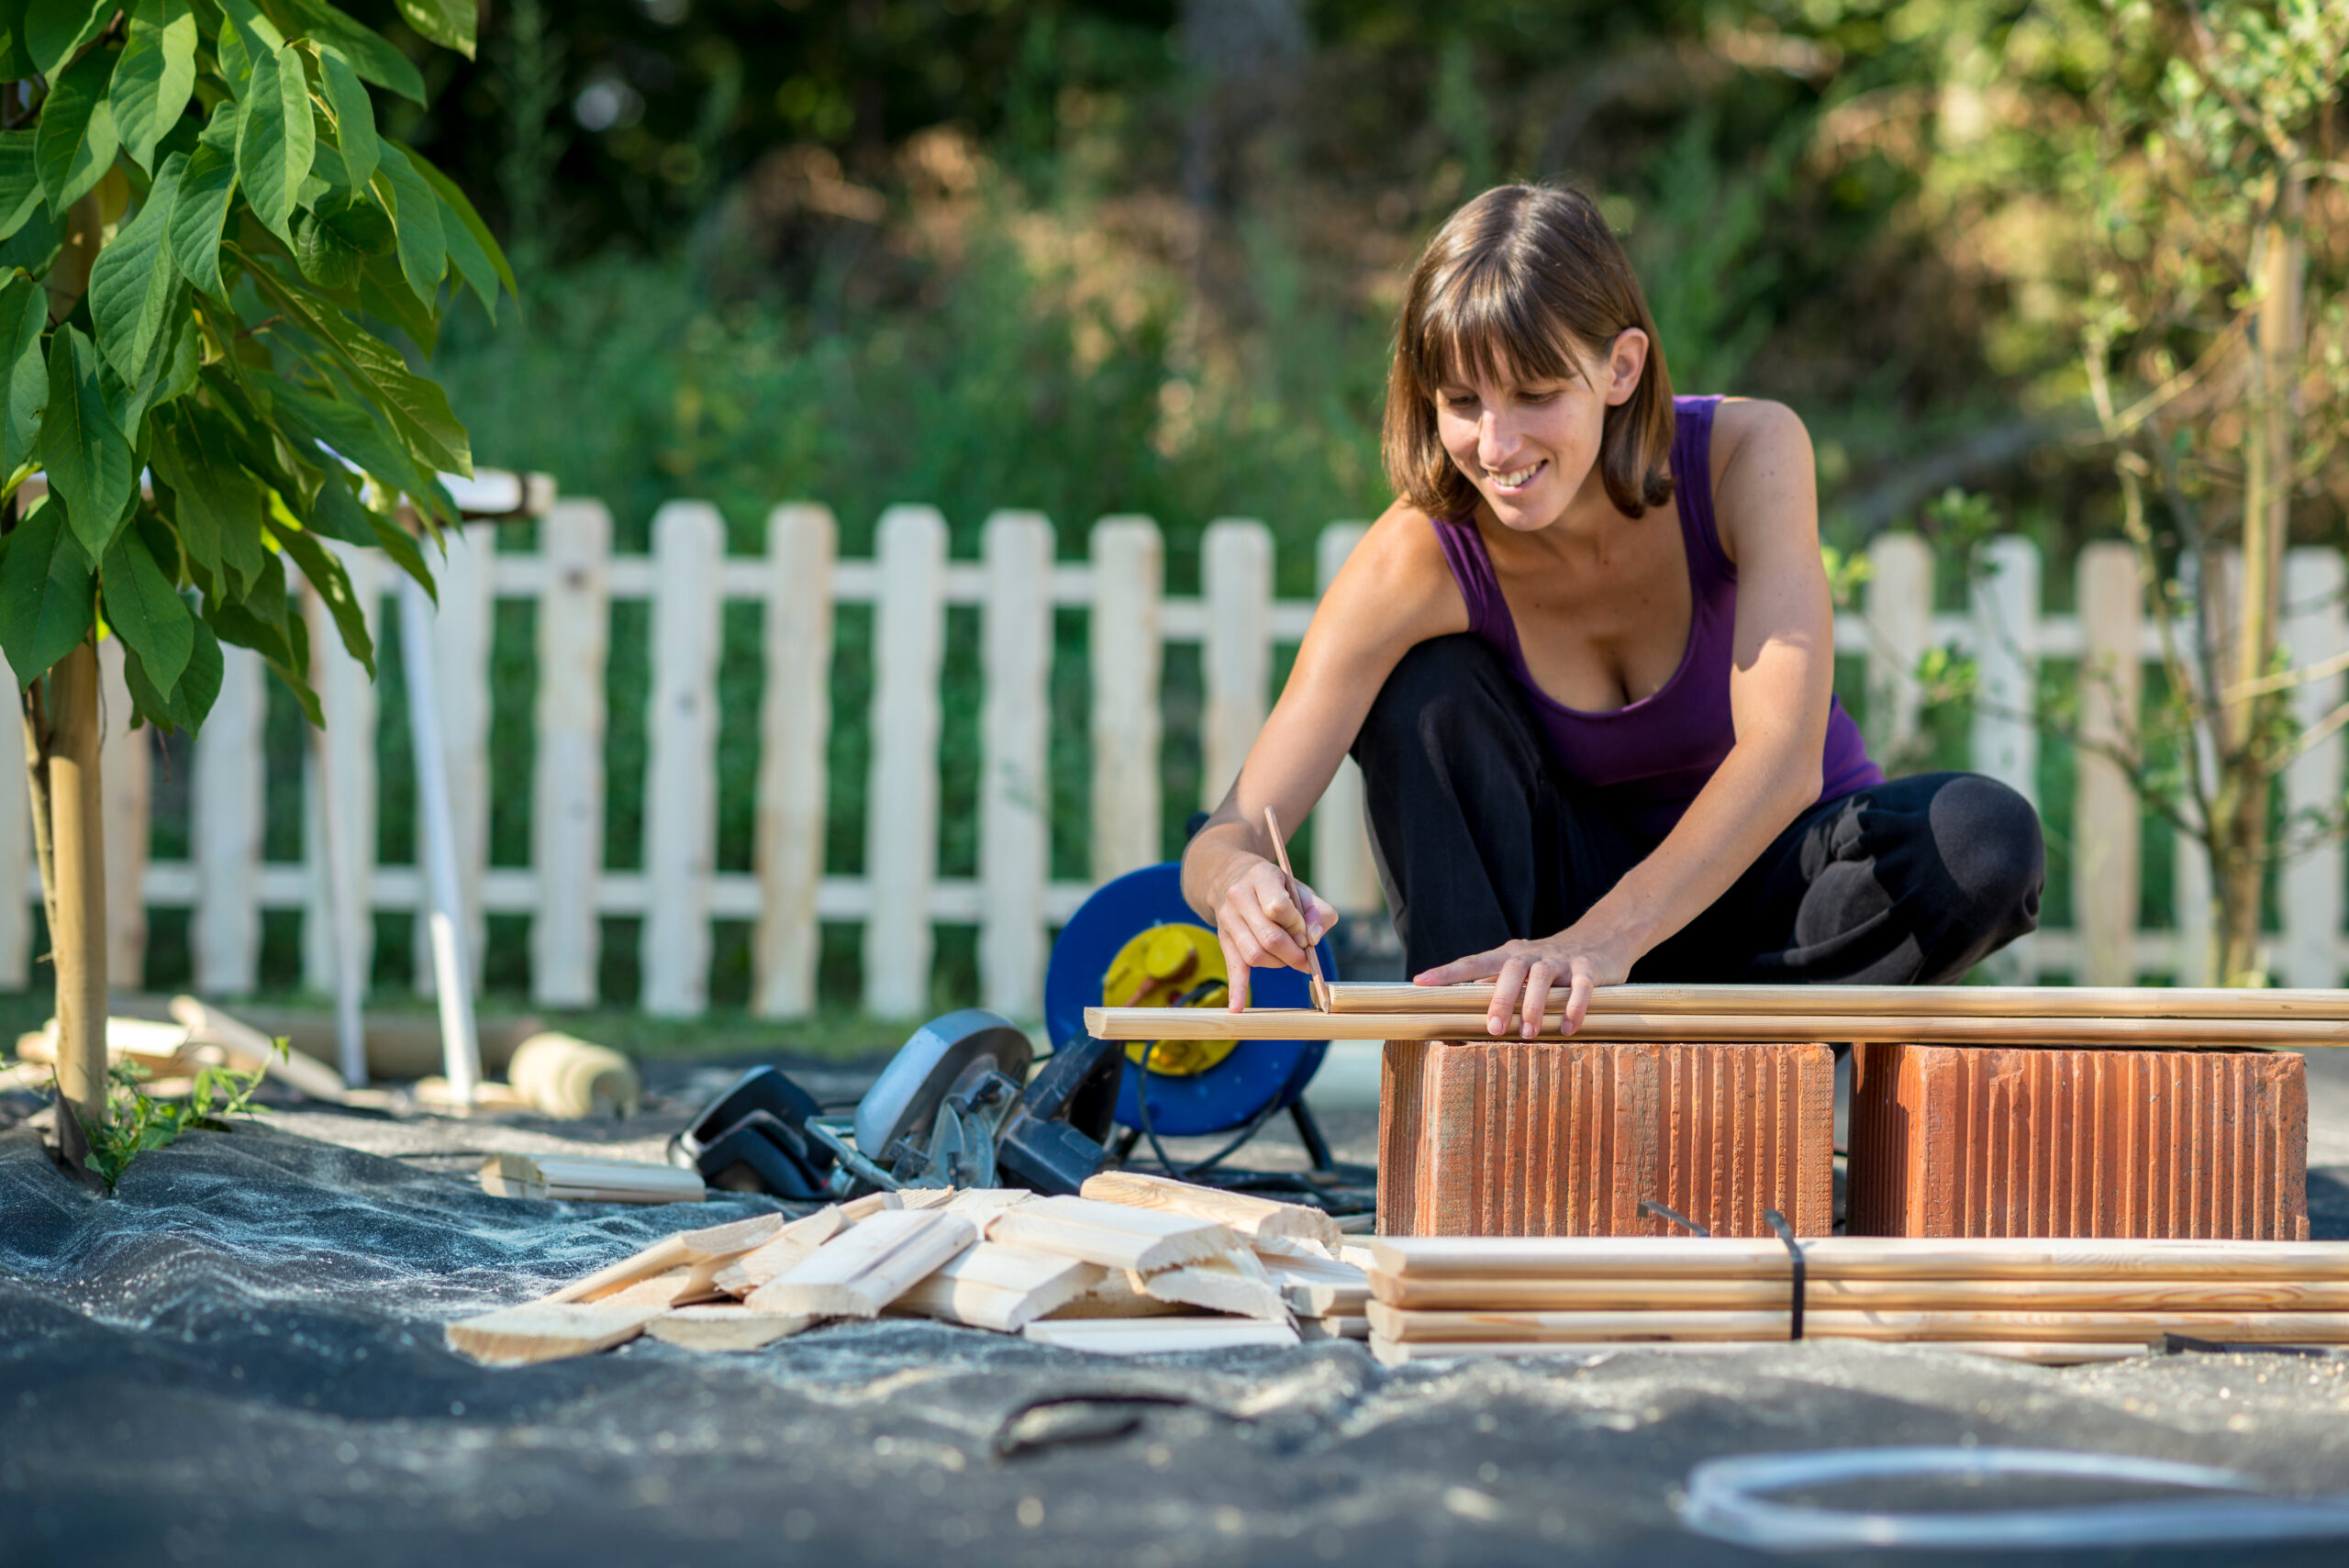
(1648, 758)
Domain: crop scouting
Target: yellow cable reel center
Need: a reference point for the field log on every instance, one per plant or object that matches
(1166, 966)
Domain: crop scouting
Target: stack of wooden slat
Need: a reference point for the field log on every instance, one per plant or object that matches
(1134, 1264)
(2054, 1302)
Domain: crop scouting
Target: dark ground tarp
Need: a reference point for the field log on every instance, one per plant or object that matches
(239, 1358)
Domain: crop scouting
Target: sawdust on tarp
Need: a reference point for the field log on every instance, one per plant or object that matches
(239, 1357)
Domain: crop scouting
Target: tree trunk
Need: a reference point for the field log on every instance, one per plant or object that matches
(77, 940)
(2282, 266)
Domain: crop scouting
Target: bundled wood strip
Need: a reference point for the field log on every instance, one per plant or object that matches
(1595, 1294)
(1316, 1288)
(1392, 1353)
(1849, 1257)
(1404, 1324)
(999, 1286)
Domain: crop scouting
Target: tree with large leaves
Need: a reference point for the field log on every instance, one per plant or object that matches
(216, 273)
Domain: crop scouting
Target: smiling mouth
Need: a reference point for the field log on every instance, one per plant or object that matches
(1516, 479)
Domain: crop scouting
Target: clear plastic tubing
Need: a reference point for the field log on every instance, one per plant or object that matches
(1727, 1500)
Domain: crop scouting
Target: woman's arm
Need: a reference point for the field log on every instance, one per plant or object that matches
(1393, 592)
(1782, 676)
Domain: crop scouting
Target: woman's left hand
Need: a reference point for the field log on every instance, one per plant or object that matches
(1524, 974)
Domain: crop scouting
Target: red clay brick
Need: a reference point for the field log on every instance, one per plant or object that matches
(2014, 1140)
(1501, 1138)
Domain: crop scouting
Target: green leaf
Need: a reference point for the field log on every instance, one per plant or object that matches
(130, 286)
(87, 458)
(348, 428)
(416, 218)
(262, 618)
(55, 29)
(325, 574)
(76, 142)
(48, 593)
(449, 23)
(236, 60)
(446, 189)
(155, 75)
(145, 610)
(358, 220)
(471, 262)
(24, 315)
(336, 514)
(217, 505)
(416, 409)
(354, 116)
(371, 55)
(255, 30)
(199, 210)
(275, 140)
(384, 294)
(186, 703)
(20, 180)
(322, 254)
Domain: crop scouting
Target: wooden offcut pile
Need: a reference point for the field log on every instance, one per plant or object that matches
(2054, 1302)
(1136, 1264)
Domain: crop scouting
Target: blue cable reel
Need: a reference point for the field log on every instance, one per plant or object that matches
(1138, 933)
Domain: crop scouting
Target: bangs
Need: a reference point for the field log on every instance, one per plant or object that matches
(1487, 322)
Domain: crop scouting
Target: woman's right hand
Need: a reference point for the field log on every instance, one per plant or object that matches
(1258, 924)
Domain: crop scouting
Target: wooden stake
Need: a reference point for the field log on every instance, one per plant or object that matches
(1321, 987)
(1306, 1023)
(78, 938)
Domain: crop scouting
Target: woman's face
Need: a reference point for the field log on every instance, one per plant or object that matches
(1530, 447)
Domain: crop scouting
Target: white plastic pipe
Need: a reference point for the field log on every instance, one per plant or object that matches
(437, 846)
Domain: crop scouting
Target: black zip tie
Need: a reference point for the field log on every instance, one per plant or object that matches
(1648, 1205)
(1777, 1222)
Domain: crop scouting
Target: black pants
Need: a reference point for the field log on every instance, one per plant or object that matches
(1480, 840)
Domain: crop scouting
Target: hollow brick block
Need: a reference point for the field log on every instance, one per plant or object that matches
(1503, 1138)
(2015, 1140)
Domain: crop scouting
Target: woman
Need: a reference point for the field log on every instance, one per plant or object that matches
(1585, 662)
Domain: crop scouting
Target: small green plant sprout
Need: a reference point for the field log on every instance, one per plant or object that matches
(137, 1121)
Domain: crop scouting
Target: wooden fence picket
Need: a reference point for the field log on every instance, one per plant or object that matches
(681, 771)
(794, 724)
(1344, 870)
(2315, 630)
(1126, 655)
(901, 801)
(1015, 783)
(342, 759)
(2105, 815)
(567, 790)
(228, 801)
(1236, 652)
(1899, 629)
(2004, 605)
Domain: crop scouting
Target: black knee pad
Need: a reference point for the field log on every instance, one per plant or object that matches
(1989, 839)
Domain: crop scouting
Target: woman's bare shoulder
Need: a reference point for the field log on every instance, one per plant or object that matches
(1757, 430)
(1396, 584)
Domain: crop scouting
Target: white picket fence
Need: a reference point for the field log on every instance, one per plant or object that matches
(1018, 584)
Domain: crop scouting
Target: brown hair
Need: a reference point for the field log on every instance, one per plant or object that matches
(1525, 279)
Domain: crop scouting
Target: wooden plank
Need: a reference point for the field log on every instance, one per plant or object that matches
(2105, 809)
(2004, 743)
(790, 1247)
(342, 759)
(1305, 1023)
(794, 727)
(2216, 1003)
(857, 1274)
(567, 778)
(680, 770)
(126, 782)
(1235, 1282)
(2314, 629)
(2193, 910)
(545, 1331)
(2131, 1327)
(723, 1329)
(999, 1286)
(1236, 654)
(1344, 870)
(901, 797)
(1319, 1287)
(1900, 627)
(1850, 1257)
(1126, 657)
(1113, 1235)
(1015, 788)
(20, 877)
(711, 1245)
(463, 621)
(1257, 1218)
(1161, 1336)
(230, 796)
(576, 1179)
(1391, 1354)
